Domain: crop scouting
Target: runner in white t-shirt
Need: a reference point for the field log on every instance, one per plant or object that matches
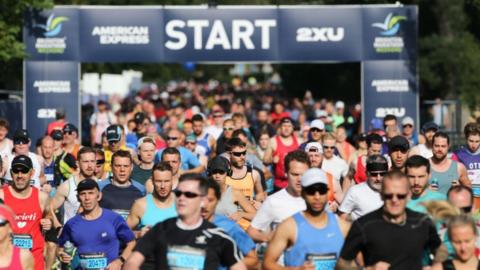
(331, 162)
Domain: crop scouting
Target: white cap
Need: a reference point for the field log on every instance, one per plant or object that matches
(317, 123)
(164, 95)
(314, 176)
(407, 121)
(314, 147)
(339, 105)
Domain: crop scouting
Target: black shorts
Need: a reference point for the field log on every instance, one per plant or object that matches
(52, 235)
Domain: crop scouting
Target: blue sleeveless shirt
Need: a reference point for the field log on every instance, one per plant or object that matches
(154, 215)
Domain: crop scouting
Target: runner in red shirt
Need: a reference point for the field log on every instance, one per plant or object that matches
(30, 206)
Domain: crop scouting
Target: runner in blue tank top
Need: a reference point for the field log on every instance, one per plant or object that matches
(312, 237)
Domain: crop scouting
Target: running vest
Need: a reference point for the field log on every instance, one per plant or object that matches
(28, 214)
(444, 179)
(361, 171)
(71, 203)
(154, 214)
(472, 163)
(16, 262)
(225, 205)
(281, 151)
(320, 246)
(246, 185)
(203, 143)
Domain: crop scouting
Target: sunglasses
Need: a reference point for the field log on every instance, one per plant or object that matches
(100, 161)
(239, 154)
(3, 223)
(68, 132)
(228, 129)
(218, 172)
(316, 130)
(172, 138)
(313, 189)
(21, 142)
(328, 147)
(20, 170)
(187, 194)
(377, 173)
(187, 143)
(405, 126)
(466, 209)
(389, 196)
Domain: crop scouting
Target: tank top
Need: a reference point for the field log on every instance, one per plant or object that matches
(321, 246)
(16, 262)
(28, 214)
(444, 179)
(331, 187)
(49, 172)
(154, 214)
(361, 172)
(71, 204)
(472, 163)
(281, 151)
(448, 265)
(246, 185)
(75, 150)
(226, 206)
(203, 143)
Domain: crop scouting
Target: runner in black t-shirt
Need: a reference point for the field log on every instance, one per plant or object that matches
(187, 242)
(392, 237)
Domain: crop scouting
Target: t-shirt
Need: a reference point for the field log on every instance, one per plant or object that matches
(360, 200)
(402, 246)
(103, 234)
(141, 175)
(430, 195)
(336, 166)
(205, 247)
(276, 208)
(242, 239)
(189, 160)
(120, 199)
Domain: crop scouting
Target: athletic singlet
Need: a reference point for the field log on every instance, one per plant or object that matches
(75, 150)
(49, 172)
(71, 204)
(281, 151)
(28, 214)
(246, 185)
(203, 143)
(16, 262)
(445, 179)
(226, 206)
(331, 187)
(154, 214)
(472, 163)
(320, 246)
(34, 181)
(346, 150)
(448, 265)
(361, 171)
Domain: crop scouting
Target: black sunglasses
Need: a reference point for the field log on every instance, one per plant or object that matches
(217, 172)
(172, 138)
(68, 132)
(313, 189)
(187, 194)
(239, 154)
(328, 147)
(466, 209)
(377, 173)
(3, 223)
(389, 196)
(229, 129)
(100, 161)
(407, 126)
(316, 130)
(20, 170)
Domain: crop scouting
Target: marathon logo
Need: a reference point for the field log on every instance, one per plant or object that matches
(52, 86)
(397, 111)
(242, 32)
(126, 35)
(390, 85)
(323, 34)
(46, 113)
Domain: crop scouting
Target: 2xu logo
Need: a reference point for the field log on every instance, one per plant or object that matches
(382, 112)
(323, 34)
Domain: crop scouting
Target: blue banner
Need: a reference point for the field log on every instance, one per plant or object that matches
(48, 87)
(389, 87)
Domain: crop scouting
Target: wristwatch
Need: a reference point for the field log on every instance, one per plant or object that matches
(121, 259)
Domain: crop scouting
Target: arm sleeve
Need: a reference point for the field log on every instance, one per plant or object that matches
(353, 243)
(263, 218)
(123, 231)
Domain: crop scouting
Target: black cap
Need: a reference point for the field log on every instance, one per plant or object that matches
(113, 133)
(374, 138)
(139, 117)
(87, 184)
(218, 163)
(286, 120)
(23, 161)
(21, 135)
(398, 143)
(70, 127)
(430, 126)
(57, 134)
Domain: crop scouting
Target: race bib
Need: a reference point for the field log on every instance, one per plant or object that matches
(185, 258)
(322, 261)
(49, 178)
(122, 212)
(24, 241)
(93, 261)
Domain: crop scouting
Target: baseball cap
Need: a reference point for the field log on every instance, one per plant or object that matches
(398, 143)
(70, 127)
(286, 120)
(429, 126)
(317, 123)
(314, 176)
(139, 117)
(314, 147)
(87, 184)
(191, 138)
(376, 124)
(339, 105)
(23, 161)
(6, 214)
(146, 139)
(407, 121)
(21, 135)
(57, 134)
(218, 163)
(113, 133)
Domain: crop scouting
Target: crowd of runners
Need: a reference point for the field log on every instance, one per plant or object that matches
(195, 178)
